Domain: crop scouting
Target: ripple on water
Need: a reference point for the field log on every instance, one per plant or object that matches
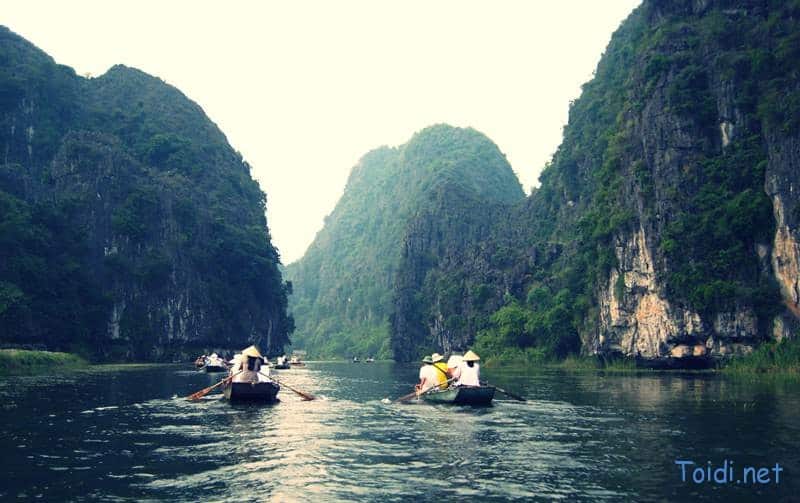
(134, 437)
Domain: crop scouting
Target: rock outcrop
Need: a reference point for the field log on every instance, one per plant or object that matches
(132, 229)
(672, 202)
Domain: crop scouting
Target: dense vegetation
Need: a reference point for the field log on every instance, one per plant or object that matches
(642, 150)
(344, 283)
(20, 361)
(779, 358)
(129, 228)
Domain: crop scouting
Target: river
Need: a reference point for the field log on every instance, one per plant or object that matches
(120, 433)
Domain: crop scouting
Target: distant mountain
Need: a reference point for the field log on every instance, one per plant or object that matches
(344, 284)
(129, 227)
(666, 226)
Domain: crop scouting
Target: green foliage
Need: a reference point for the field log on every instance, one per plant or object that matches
(710, 243)
(665, 84)
(23, 362)
(779, 358)
(344, 284)
(123, 197)
(45, 294)
(136, 214)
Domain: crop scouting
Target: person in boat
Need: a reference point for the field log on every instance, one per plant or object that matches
(215, 361)
(247, 368)
(469, 371)
(441, 370)
(452, 364)
(427, 376)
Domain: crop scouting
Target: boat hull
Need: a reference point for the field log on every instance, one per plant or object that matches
(215, 368)
(281, 366)
(265, 392)
(462, 395)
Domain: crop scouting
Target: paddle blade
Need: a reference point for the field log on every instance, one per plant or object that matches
(200, 394)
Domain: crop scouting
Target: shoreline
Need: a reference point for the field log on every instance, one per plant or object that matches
(15, 362)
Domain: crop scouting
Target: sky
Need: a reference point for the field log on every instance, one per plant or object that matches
(304, 88)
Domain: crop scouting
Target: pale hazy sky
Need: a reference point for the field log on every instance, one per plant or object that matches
(304, 88)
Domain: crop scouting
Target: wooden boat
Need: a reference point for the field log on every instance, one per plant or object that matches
(295, 362)
(265, 392)
(215, 368)
(461, 395)
(370, 360)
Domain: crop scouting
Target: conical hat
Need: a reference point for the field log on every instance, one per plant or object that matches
(427, 359)
(436, 357)
(471, 357)
(251, 351)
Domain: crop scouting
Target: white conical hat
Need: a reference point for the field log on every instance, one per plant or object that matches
(471, 356)
(436, 357)
(251, 351)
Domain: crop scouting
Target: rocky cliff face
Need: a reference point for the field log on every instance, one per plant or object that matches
(121, 188)
(665, 227)
(642, 312)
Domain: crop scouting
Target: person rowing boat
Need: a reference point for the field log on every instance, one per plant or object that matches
(250, 381)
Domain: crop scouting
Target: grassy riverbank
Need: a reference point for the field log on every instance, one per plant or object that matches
(533, 359)
(777, 358)
(21, 361)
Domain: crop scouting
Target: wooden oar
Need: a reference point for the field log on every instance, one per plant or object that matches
(306, 396)
(414, 393)
(203, 392)
(508, 393)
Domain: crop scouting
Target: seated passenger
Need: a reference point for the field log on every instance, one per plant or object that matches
(247, 366)
(469, 371)
(441, 370)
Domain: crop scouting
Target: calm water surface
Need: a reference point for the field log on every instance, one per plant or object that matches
(124, 434)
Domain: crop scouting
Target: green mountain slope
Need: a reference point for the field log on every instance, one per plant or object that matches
(343, 284)
(130, 228)
(665, 227)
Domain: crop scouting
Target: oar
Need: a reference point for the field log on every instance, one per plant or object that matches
(411, 395)
(203, 392)
(512, 395)
(306, 396)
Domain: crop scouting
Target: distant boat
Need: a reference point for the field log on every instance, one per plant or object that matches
(370, 360)
(281, 363)
(295, 361)
(461, 395)
(265, 392)
(215, 364)
(355, 359)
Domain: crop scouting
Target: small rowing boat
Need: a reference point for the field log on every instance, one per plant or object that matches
(215, 364)
(461, 395)
(281, 363)
(261, 391)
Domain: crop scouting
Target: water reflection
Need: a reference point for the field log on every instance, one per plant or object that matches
(129, 435)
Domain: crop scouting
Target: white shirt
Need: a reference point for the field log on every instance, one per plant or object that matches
(429, 373)
(469, 376)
